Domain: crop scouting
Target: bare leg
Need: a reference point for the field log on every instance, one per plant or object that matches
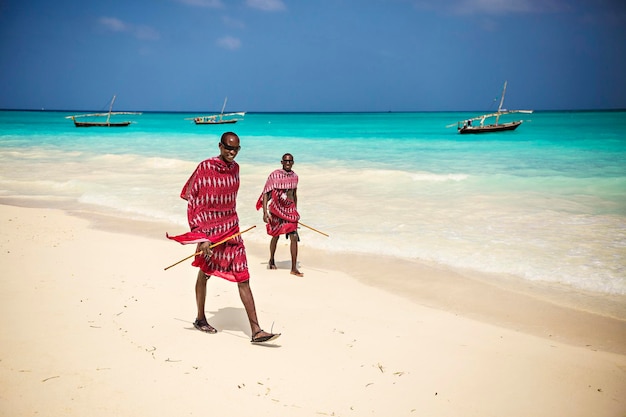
(201, 294)
(248, 302)
(201, 322)
(273, 242)
(294, 255)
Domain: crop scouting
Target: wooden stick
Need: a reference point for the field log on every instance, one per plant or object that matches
(315, 230)
(182, 260)
(230, 237)
(211, 247)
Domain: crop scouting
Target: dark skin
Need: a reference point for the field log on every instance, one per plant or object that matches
(287, 162)
(245, 292)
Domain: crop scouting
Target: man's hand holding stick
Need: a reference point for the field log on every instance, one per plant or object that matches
(211, 246)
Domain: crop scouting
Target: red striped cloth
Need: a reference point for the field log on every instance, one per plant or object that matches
(284, 214)
(211, 194)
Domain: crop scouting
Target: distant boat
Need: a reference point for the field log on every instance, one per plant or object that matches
(218, 119)
(468, 126)
(107, 123)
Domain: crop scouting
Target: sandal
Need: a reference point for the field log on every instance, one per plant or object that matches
(204, 326)
(262, 339)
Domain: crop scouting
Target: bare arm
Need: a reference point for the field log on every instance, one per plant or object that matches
(266, 214)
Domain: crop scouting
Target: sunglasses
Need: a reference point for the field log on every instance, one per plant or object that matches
(287, 161)
(230, 148)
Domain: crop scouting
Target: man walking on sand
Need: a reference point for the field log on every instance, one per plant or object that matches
(279, 201)
(211, 194)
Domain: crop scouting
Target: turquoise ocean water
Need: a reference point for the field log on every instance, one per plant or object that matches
(546, 202)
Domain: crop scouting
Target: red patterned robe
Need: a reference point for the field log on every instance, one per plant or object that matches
(283, 209)
(211, 194)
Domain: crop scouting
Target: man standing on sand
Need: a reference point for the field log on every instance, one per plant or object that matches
(211, 194)
(280, 210)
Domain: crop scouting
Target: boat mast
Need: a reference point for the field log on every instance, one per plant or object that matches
(501, 102)
(223, 107)
(110, 108)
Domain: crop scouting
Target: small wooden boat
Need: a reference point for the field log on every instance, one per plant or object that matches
(468, 126)
(100, 124)
(105, 123)
(218, 119)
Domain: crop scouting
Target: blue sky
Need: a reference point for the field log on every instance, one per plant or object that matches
(312, 55)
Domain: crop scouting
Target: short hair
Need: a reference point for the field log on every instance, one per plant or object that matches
(227, 134)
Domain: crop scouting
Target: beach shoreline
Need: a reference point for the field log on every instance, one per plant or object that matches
(541, 309)
(90, 314)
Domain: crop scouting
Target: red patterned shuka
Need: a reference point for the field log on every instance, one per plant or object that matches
(284, 215)
(211, 194)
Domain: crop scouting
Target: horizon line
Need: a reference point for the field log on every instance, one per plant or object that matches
(308, 111)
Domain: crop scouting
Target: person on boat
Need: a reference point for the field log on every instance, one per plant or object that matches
(211, 194)
(279, 201)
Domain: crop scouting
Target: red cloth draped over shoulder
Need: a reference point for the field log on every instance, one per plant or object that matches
(285, 216)
(211, 194)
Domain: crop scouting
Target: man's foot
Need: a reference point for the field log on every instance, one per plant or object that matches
(262, 337)
(297, 273)
(204, 326)
(271, 264)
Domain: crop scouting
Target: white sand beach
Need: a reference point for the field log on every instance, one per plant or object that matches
(92, 325)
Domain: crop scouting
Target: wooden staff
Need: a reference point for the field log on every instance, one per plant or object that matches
(211, 246)
(315, 230)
